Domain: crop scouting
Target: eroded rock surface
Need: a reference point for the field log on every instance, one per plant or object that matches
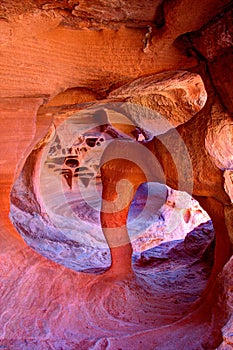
(66, 56)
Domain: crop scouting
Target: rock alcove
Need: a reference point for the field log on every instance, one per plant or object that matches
(56, 205)
(168, 75)
(56, 201)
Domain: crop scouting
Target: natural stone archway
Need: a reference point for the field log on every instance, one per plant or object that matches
(208, 181)
(94, 51)
(26, 196)
(68, 158)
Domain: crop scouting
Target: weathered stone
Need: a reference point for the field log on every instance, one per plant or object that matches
(175, 96)
(215, 43)
(85, 52)
(55, 62)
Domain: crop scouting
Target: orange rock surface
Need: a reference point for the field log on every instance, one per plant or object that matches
(173, 58)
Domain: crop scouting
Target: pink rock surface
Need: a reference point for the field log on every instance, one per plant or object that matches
(180, 295)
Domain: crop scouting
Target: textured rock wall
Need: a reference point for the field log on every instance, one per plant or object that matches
(93, 49)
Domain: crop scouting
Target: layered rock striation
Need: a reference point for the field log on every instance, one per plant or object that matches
(154, 82)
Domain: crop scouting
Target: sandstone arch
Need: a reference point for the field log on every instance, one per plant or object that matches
(46, 50)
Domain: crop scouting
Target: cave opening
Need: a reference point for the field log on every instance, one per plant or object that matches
(176, 243)
(171, 235)
(56, 201)
(56, 206)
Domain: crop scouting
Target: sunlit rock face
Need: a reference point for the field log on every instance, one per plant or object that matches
(176, 96)
(166, 67)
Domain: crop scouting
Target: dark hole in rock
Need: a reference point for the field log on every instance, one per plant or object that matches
(80, 169)
(72, 162)
(91, 141)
